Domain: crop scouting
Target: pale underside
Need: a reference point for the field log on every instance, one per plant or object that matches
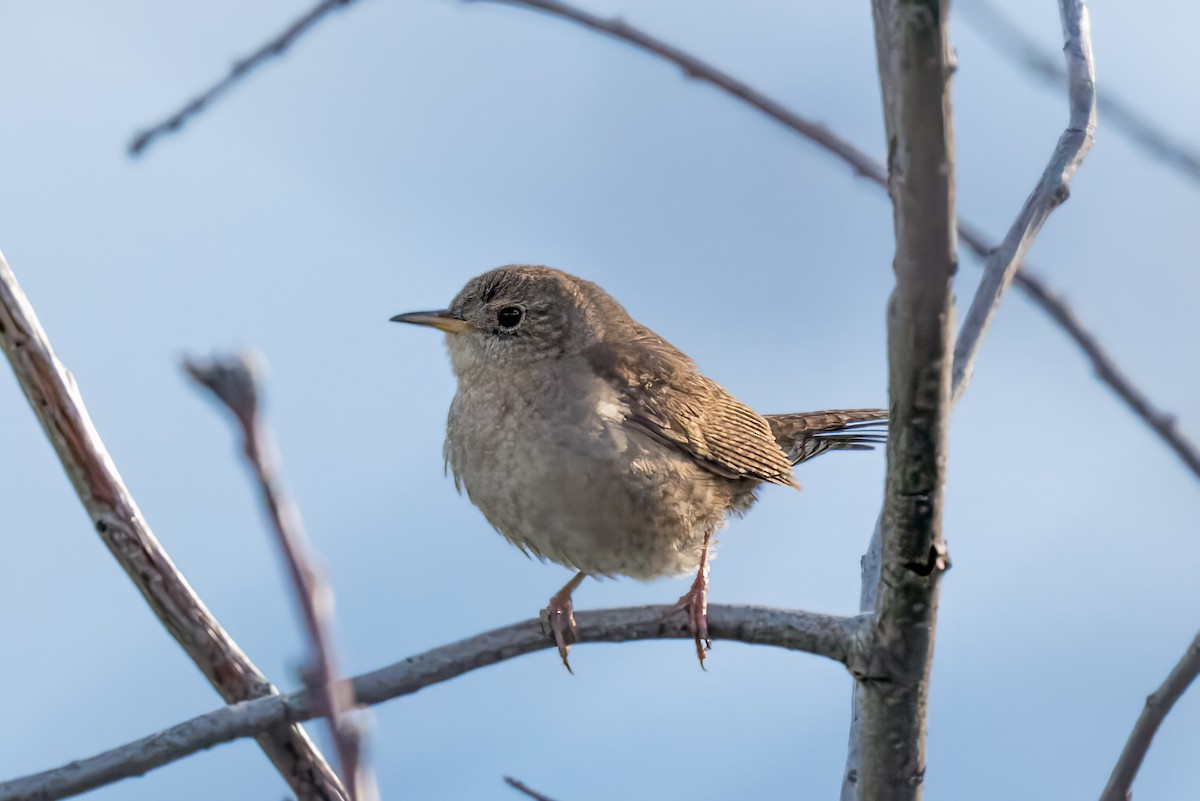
(602, 496)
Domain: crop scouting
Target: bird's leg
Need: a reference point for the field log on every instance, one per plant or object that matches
(558, 619)
(695, 603)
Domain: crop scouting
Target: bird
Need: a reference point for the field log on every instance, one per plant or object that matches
(588, 440)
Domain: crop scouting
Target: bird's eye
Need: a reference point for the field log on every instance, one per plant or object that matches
(510, 316)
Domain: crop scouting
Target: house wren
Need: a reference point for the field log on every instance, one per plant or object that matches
(588, 440)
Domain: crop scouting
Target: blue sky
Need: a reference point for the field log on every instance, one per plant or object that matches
(403, 148)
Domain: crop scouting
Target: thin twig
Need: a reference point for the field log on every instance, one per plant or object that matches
(1161, 422)
(235, 382)
(1158, 706)
(694, 67)
(240, 69)
(59, 407)
(521, 787)
(837, 638)
(1051, 191)
(999, 30)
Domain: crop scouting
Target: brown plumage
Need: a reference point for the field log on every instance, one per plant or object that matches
(587, 439)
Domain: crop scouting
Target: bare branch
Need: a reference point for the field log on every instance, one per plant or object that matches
(1002, 32)
(1002, 264)
(1106, 369)
(915, 63)
(520, 787)
(700, 70)
(240, 69)
(235, 382)
(1158, 705)
(1163, 423)
(837, 638)
(59, 408)
(1051, 191)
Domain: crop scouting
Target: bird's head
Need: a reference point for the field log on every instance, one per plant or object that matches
(520, 315)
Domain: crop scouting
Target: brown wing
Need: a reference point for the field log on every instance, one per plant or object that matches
(808, 434)
(671, 401)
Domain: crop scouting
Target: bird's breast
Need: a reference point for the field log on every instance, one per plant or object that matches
(560, 474)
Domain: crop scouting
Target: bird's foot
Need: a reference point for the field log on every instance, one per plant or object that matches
(695, 603)
(558, 620)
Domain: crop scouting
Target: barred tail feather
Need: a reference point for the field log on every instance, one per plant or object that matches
(808, 434)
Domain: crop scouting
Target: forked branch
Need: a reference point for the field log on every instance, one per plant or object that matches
(59, 408)
(834, 637)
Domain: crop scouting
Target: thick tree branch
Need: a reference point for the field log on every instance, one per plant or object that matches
(59, 408)
(235, 383)
(1051, 191)
(838, 638)
(1161, 422)
(1001, 265)
(1158, 705)
(1006, 35)
(915, 63)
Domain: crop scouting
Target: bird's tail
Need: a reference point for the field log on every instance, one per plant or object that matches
(807, 434)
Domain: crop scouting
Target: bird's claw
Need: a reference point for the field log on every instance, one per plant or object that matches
(695, 603)
(558, 621)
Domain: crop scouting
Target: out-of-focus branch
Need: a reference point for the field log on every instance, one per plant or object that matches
(1002, 32)
(1158, 705)
(521, 787)
(1051, 191)
(59, 408)
(234, 381)
(1161, 422)
(240, 69)
(701, 70)
(915, 63)
(837, 638)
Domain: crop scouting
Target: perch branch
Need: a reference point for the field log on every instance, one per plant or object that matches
(995, 27)
(240, 69)
(1158, 705)
(837, 638)
(235, 383)
(59, 408)
(1161, 422)
(915, 63)
(1051, 191)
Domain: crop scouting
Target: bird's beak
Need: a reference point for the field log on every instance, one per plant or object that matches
(438, 319)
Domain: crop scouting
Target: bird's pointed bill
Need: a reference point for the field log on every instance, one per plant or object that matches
(435, 319)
